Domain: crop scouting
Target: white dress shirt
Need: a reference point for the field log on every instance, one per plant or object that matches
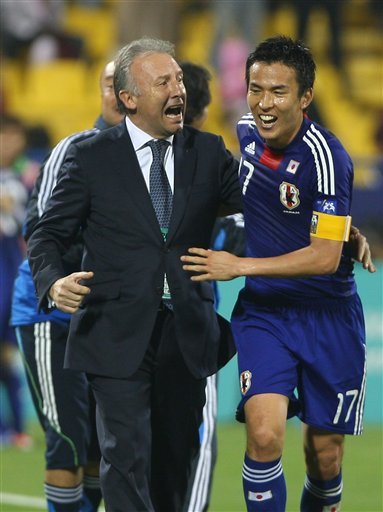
(144, 153)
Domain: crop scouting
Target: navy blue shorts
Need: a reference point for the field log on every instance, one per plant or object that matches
(312, 353)
(63, 399)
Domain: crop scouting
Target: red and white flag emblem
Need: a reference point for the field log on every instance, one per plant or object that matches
(259, 496)
(293, 166)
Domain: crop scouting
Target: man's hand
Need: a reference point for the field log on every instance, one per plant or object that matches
(212, 265)
(360, 249)
(67, 292)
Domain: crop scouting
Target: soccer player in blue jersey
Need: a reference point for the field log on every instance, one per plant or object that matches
(298, 322)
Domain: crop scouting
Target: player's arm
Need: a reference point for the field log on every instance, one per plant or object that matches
(320, 257)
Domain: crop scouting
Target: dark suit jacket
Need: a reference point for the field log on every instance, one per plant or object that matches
(103, 192)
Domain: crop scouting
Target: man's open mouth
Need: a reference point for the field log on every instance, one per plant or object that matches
(174, 111)
(267, 120)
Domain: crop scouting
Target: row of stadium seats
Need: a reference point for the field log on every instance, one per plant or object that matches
(96, 26)
(62, 95)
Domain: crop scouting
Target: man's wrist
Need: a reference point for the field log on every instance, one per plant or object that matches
(51, 301)
(245, 267)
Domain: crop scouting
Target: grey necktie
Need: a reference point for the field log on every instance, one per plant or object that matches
(160, 191)
(162, 198)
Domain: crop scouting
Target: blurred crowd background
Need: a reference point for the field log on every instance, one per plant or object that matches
(52, 52)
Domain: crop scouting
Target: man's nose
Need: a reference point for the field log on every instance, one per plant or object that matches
(266, 100)
(178, 88)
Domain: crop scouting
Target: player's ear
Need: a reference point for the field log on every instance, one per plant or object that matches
(307, 98)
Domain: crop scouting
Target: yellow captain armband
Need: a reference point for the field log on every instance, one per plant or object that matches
(331, 227)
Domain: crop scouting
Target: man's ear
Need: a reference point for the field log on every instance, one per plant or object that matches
(307, 98)
(128, 99)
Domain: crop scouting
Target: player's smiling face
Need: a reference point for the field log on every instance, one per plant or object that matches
(273, 98)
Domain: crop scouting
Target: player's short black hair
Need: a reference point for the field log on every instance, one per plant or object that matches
(285, 50)
(196, 80)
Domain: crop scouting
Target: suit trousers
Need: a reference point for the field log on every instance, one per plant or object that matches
(147, 426)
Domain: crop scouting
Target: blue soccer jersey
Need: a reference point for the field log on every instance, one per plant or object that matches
(284, 192)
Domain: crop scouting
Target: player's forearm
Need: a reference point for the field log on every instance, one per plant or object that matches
(303, 262)
(320, 257)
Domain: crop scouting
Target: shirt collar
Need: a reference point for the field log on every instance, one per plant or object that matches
(140, 138)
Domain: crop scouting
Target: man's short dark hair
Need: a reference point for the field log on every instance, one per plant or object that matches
(196, 81)
(285, 50)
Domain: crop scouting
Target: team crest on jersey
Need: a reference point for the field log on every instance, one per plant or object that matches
(289, 195)
(250, 148)
(245, 381)
(293, 166)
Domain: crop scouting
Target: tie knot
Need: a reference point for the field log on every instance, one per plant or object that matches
(158, 148)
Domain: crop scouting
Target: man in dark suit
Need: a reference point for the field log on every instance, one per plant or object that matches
(146, 335)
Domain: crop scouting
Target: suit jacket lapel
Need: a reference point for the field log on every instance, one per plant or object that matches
(184, 169)
(123, 158)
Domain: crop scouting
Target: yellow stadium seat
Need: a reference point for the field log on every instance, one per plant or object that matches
(57, 81)
(58, 95)
(96, 26)
(11, 80)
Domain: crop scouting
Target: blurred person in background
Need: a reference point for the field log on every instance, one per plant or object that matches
(13, 199)
(38, 146)
(298, 323)
(196, 80)
(62, 398)
(334, 10)
(39, 143)
(31, 30)
(367, 207)
(228, 234)
(237, 24)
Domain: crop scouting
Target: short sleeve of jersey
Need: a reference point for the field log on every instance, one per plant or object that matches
(332, 175)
